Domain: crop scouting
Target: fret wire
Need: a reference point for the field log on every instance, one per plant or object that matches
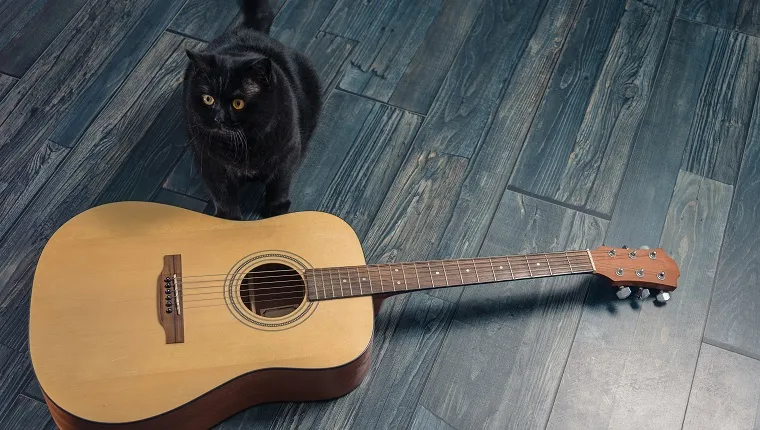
(393, 283)
(324, 287)
(548, 265)
(419, 283)
(316, 287)
(475, 267)
(568, 262)
(380, 276)
(460, 271)
(359, 278)
(445, 275)
(527, 263)
(403, 274)
(492, 269)
(510, 268)
(430, 271)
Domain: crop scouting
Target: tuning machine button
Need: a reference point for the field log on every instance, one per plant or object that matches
(642, 293)
(623, 292)
(663, 296)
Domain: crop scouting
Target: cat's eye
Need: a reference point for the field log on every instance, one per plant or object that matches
(238, 104)
(208, 100)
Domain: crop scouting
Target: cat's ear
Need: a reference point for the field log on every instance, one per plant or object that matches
(200, 60)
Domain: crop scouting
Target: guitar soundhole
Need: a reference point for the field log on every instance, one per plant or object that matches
(272, 290)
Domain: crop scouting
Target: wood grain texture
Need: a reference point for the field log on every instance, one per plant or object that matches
(725, 393)
(18, 55)
(39, 101)
(425, 420)
(76, 184)
(149, 21)
(185, 179)
(14, 16)
(748, 17)
(204, 19)
(592, 157)
(478, 78)
(153, 156)
(15, 372)
(660, 142)
(487, 176)
(410, 327)
(389, 33)
(27, 413)
(330, 55)
(660, 343)
(718, 13)
(33, 389)
(518, 333)
(416, 89)
(370, 166)
(23, 175)
(719, 129)
(735, 311)
(300, 20)
(555, 126)
(6, 83)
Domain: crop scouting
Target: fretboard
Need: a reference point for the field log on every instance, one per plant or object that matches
(352, 281)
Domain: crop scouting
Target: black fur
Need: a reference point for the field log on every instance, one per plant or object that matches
(267, 139)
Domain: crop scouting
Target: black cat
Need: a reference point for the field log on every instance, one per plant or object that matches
(251, 106)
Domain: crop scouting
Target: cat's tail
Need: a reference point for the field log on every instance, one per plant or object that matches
(258, 14)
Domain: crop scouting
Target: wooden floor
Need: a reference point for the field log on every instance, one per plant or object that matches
(452, 128)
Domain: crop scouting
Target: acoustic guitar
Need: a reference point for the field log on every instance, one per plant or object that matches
(150, 316)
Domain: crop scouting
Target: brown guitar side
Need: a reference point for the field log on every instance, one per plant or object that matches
(252, 389)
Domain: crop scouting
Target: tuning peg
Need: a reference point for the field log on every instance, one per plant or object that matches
(642, 293)
(623, 292)
(663, 296)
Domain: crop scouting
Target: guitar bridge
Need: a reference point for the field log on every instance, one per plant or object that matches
(169, 299)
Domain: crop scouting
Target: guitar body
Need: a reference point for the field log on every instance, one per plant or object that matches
(105, 358)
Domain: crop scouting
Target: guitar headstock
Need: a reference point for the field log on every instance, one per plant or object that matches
(644, 269)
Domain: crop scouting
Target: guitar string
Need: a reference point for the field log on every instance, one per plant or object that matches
(540, 257)
(520, 275)
(293, 280)
(484, 264)
(350, 271)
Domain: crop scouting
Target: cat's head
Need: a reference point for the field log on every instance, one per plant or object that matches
(228, 94)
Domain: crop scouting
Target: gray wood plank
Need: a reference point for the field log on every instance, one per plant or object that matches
(330, 55)
(718, 13)
(417, 87)
(478, 78)
(180, 200)
(15, 372)
(33, 389)
(389, 33)
(555, 127)
(516, 333)
(43, 97)
(88, 169)
(726, 391)
(734, 316)
(410, 327)
(25, 174)
(342, 120)
(185, 179)
(572, 165)
(18, 55)
(148, 164)
(205, 19)
(748, 17)
(300, 20)
(425, 420)
(14, 16)
(26, 413)
(370, 166)
(6, 83)
(660, 343)
(645, 184)
(486, 178)
(150, 20)
(719, 130)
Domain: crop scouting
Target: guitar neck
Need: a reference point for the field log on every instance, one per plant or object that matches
(353, 281)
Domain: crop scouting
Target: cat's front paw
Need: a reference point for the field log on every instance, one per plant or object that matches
(275, 208)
